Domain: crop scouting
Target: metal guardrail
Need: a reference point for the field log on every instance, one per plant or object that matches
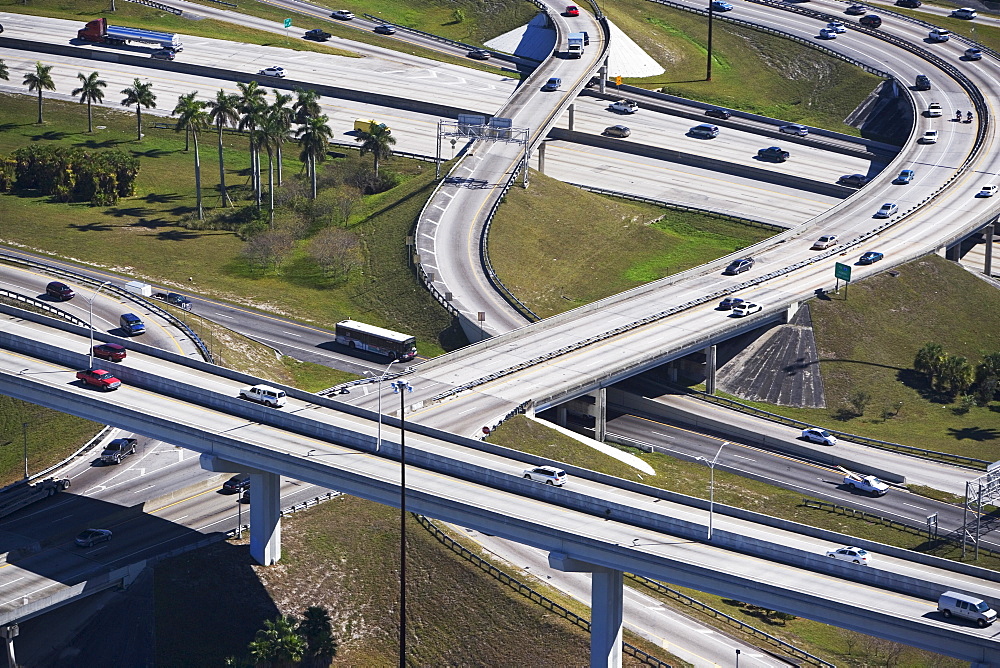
(162, 7)
(527, 591)
(969, 462)
(120, 292)
(679, 207)
(443, 40)
(661, 588)
(44, 306)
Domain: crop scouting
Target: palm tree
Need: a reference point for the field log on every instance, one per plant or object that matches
(252, 105)
(283, 122)
(223, 111)
(191, 118)
(278, 643)
(928, 360)
(141, 95)
(313, 136)
(4, 72)
(89, 92)
(270, 134)
(376, 141)
(40, 80)
(316, 629)
(306, 105)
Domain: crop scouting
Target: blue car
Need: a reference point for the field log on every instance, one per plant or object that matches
(905, 176)
(721, 6)
(552, 84)
(871, 257)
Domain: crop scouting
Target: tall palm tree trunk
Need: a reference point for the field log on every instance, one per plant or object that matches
(39, 105)
(270, 183)
(90, 118)
(222, 172)
(312, 170)
(197, 176)
(138, 122)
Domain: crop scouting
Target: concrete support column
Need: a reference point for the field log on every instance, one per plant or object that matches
(265, 517)
(572, 116)
(601, 414)
(672, 373)
(988, 265)
(8, 633)
(793, 308)
(710, 369)
(954, 253)
(541, 157)
(606, 608)
(561, 416)
(603, 75)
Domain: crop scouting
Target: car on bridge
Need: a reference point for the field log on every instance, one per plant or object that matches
(934, 110)
(909, 4)
(836, 26)
(856, 180)
(718, 112)
(550, 475)
(342, 14)
(624, 106)
(929, 137)
(738, 266)
(163, 54)
(59, 291)
(773, 153)
(987, 191)
(871, 21)
(825, 242)
(745, 309)
(721, 6)
(887, 210)
(855, 10)
(939, 35)
(705, 131)
(922, 82)
(871, 257)
(479, 54)
(99, 378)
(572, 10)
(621, 131)
(91, 537)
(729, 303)
(964, 13)
(385, 29)
(794, 129)
(112, 352)
(855, 555)
(820, 436)
(826, 33)
(278, 72)
(973, 53)
(552, 84)
(905, 176)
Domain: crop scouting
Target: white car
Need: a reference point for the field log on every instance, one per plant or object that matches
(817, 435)
(825, 242)
(272, 72)
(939, 35)
(826, 33)
(934, 109)
(624, 106)
(886, 210)
(987, 191)
(746, 308)
(342, 14)
(929, 137)
(855, 555)
(794, 129)
(550, 475)
(836, 26)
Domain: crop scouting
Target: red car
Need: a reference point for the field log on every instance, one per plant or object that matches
(111, 352)
(99, 378)
(572, 10)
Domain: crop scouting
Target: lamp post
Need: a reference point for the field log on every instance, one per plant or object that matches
(90, 353)
(708, 66)
(711, 486)
(737, 658)
(401, 387)
(379, 379)
(24, 431)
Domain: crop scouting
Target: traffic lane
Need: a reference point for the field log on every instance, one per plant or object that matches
(796, 475)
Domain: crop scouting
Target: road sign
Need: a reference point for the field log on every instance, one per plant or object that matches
(618, 80)
(288, 23)
(842, 271)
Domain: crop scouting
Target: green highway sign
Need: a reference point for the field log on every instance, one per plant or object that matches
(288, 23)
(842, 271)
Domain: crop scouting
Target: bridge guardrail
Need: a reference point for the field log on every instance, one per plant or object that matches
(445, 40)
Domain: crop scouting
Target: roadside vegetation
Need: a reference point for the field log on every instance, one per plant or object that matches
(343, 555)
(693, 478)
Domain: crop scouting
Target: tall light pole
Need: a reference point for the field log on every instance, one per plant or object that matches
(90, 353)
(711, 486)
(24, 431)
(708, 66)
(401, 387)
(379, 379)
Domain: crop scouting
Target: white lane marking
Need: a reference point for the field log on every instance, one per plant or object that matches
(12, 581)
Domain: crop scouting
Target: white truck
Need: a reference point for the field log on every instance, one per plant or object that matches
(22, 494)
(624, 106)
(864, 483)
(574, 47)
(264, 394)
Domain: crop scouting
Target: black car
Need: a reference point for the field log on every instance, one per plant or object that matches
(911, 4)
(739, 266)
(385, 29)
(237, 483)
(729, 303)
(773, 153)
(870, 257)
(59, 291)
(318, 34)
(871, 21)
(479, 54)
(718, 113)
(856, 180)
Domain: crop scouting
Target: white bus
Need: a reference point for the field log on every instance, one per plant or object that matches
(359, 336)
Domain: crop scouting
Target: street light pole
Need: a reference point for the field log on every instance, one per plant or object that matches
(90, 353)
(24, 431)
(401, 387)
(711, 486)
(379, 379)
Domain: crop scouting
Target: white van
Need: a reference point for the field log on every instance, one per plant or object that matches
(967, 607)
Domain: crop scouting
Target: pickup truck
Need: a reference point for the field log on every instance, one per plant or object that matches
(318, 34)
(173, 298)
(865, 483)
(117, 450)
(773, 153)
(624, 106)
(264, 394)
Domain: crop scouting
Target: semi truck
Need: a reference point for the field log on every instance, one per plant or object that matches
(575, 45)
(19, 495)
(98, 30)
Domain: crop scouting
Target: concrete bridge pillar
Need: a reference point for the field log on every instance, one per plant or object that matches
(710, 369)
(601, 414)
(672, 372)
(265, 517)
(541, 157)
(954, 253)
(603, 75)
(606, 608)
(561, 415)
(793, 308)
(572, 116)
(988, 264)
(8, 633)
